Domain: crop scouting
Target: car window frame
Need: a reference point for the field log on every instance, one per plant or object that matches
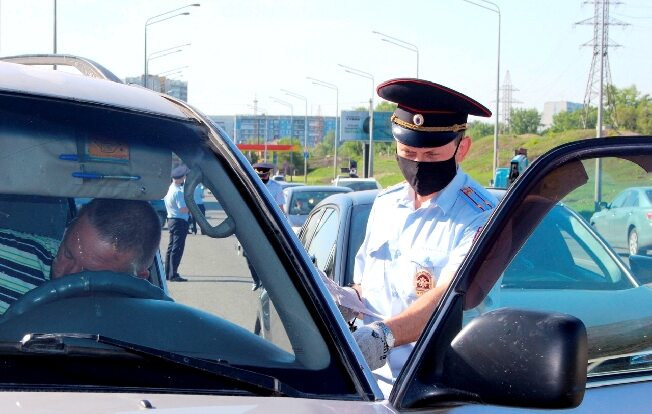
(487, 257)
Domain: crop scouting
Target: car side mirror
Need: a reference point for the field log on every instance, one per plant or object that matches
(603, 205)
(641, 267)
(509, 357)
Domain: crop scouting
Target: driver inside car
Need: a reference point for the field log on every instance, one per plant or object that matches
(108, 234)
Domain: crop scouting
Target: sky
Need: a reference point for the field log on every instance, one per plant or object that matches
(246, 51)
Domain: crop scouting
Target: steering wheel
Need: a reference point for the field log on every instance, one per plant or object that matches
(85, 283)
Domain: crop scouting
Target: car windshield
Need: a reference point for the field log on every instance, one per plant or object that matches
(302, 202)
(75, 173)
(648, 195)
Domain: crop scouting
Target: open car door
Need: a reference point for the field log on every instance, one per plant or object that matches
(544, 313)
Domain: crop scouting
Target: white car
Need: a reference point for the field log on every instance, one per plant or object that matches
(357, 184)
(105, 342)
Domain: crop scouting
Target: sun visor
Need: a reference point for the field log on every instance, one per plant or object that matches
(83, 167)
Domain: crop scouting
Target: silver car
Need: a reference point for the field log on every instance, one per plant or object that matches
(626, 222)
(300, 200)
(107, 342)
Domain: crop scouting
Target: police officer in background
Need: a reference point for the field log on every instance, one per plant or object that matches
(177, 224)
(264, 171)
(418, 230)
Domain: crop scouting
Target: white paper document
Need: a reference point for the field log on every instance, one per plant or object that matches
(347, 297)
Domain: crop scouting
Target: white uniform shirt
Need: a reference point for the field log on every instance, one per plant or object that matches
(276, 190)
(405, 250)
(199, 194)
(174, 202)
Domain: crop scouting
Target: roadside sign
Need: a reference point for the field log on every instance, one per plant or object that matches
(355, 126)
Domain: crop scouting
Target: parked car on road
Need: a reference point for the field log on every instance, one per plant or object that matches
(110, 342)
(357, 184)
(300, 200)
(583, 269)
(334, 232)
(626, 222)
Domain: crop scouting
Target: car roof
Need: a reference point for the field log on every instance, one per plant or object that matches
(22, 79)
(309, 188)
(355, 198)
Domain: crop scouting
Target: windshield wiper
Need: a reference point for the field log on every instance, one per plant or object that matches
(260, 384)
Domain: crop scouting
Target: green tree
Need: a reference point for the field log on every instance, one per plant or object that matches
(525, 121)
(325, 147)
(479, 129)
(644, 117)
(293, 160)
(351, 149)
(385, 106)
(565, 121)
(625, 102)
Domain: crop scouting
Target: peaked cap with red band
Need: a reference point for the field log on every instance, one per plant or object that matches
(428, 114)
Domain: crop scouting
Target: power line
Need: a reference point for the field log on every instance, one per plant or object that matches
(600, 72)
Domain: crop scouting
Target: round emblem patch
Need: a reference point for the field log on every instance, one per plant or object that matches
(418, 119)
(423, 281)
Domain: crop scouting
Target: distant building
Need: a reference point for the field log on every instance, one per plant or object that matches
(550, 109)
(172, 87)
(270, 128)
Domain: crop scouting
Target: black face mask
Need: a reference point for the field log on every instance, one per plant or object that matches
(428, 177)
(264, 177)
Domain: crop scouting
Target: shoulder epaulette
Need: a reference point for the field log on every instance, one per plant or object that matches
(391, 188)
(475, 199)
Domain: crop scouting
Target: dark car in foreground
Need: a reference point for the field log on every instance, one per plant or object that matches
(99, 341)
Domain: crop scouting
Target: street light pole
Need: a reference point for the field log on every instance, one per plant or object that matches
(496, 126)
(338, 124)
(305, 133)
(400, 43)
(358, 72)
(288, 104)
(160, 55)
(175, 70)
(157, 19)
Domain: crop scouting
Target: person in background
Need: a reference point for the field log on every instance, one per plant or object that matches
(264, 171)
(419, 230)
(110, 234)
(177, 224)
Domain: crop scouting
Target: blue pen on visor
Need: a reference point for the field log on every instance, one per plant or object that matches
(97, 176)
(69, 157)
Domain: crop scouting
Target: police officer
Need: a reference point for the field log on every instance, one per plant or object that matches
(177, 224)
(419, 230)
(264, 171)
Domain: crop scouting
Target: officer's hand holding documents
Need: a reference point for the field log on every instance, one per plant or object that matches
(347, 299)
(371, 338)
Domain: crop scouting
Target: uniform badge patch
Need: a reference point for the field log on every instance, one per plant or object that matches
(423, 281)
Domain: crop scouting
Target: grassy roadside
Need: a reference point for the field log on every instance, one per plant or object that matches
(478, 163)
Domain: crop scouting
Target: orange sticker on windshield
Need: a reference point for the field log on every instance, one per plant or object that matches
(107, 151)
